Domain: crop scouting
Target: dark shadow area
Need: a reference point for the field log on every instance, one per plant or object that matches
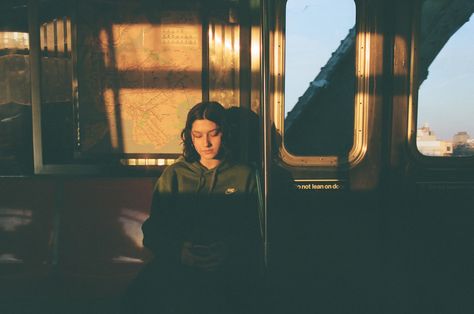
(428, 233)
(74, 252)
(167, 285)
(26, 250)
(16, 152)
(245, 134)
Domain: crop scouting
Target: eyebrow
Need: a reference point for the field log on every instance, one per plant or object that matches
(200, 132)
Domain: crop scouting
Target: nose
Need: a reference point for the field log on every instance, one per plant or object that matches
(208, 141)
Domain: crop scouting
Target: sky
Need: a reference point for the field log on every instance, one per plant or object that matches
(445, 98)
(309, 48)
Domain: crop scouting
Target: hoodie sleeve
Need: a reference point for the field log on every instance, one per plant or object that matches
(250, 239)
(159, 230)
(256, 199)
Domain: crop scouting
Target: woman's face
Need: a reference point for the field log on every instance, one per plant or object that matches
(207, 138)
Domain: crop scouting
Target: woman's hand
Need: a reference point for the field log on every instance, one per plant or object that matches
(204, 257)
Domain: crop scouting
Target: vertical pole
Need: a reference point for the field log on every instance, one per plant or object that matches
(264, 113)
(35, 78)
(205, 52)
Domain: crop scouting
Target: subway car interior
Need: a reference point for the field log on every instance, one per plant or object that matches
(356, 113)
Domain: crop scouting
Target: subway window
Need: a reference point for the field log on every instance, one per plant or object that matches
(320, 39)
(118, 78)
(15, 98)
(445, 118)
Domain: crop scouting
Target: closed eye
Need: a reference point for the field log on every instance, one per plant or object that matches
(215, 132)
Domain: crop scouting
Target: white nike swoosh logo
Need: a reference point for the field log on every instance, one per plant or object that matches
(230, 191)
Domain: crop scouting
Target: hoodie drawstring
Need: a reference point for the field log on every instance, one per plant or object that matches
(213, 180)
(203, 174)
(201, 181)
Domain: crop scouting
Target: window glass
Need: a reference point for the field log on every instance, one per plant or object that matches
(224, 55)
(15, 99)
(57, 118)
(118, 78)
(139, 69)
(319, 77)
(445, 124)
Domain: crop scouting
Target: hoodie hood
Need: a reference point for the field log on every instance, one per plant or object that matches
(207, 177)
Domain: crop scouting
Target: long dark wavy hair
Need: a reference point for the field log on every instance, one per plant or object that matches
(209, 110)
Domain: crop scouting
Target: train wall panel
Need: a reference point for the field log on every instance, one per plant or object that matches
(70, 235)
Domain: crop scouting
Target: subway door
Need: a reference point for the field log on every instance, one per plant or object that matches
(324, 156)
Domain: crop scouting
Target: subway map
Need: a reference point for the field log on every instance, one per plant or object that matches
(136, 83)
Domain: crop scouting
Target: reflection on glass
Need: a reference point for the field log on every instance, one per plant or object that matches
(319, 77)
(224, 61)
(57, 126)
(15, 100)
(18, 41)
(446, 72)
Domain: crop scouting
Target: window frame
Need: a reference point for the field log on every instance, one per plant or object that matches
(148, 164)
(426, 160)
(361, 96)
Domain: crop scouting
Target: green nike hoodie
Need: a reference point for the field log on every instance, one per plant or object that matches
(204, 206)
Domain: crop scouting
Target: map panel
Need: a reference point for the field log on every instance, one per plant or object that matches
(137, 82)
